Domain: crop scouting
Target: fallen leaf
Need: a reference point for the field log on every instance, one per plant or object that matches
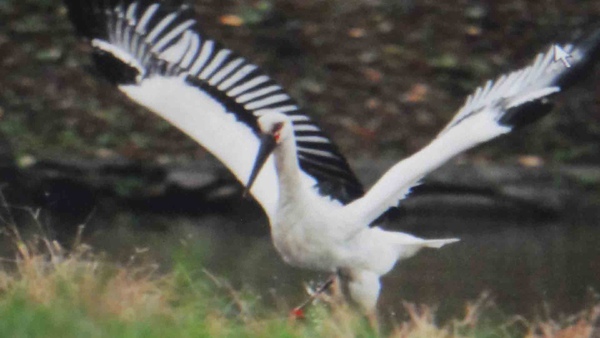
(373, 103)
(357, 33)
(26, 161)
(417, 93)
(362, 132)
(231, 20)
(473, 31)
(105, 153)
(530, 161)
(373, 75)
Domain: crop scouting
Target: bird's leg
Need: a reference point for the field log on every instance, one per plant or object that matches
(361, 289)
(298, 311)
(373, 320)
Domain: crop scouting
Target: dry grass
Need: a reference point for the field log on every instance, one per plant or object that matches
(134, 300)
(43, 272)
(581, 325)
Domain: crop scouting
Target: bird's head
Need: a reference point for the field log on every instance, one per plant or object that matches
(275, 125)
(275, 128)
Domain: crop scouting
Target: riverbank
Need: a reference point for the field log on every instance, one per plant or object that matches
(48, 292)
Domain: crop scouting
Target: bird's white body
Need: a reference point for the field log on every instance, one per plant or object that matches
(158, 57)
(313, 232)
(308, 230)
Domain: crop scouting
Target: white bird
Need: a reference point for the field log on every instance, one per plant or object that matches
(319, 215)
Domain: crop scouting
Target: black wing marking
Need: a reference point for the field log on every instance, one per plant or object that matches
(544, 72)
(134, 40)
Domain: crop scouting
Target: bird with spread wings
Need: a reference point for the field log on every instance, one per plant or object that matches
(320, 216)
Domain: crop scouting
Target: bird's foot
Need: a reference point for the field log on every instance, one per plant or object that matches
(298, 311)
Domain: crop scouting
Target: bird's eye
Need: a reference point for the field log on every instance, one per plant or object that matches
(277, 127)
(276, 130)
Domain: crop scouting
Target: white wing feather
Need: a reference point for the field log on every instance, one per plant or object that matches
(476, 122)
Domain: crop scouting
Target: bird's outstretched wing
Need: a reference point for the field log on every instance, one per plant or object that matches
(496, 108)
(158, 56)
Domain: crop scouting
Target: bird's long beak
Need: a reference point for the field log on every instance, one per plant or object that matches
(267, 145)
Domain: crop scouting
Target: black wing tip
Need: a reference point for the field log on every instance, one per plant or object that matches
(83, 17)
(526, 114)
(89, 18)
(590, 47)
(591, 44)
(115, 70)
(530, 112)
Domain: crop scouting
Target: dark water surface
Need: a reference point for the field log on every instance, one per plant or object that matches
(532, 269)
(528, 268)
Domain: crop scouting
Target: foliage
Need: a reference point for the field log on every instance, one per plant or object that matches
(382, 77)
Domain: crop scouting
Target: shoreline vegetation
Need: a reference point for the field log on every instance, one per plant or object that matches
(49, 291)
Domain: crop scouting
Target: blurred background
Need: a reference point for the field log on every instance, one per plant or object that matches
(382, 77)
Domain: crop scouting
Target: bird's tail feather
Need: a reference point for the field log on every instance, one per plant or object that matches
(406, 240)
(408, 245)
(438, 243)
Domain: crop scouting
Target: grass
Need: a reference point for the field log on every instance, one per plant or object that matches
(47, 291)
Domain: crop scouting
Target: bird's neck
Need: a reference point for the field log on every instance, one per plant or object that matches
(288, 170)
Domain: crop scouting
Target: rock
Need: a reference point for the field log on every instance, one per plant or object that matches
(461, 190)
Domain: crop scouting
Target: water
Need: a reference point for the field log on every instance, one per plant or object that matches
(528, 268)
(532, 269)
